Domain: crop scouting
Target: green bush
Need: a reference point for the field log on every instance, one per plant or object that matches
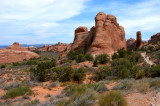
(153, 71)
(31, 62)
(68, 74)
(123, 61)
(41, 72)
(115, 56)
(102, 58)
(66, 61)
(102, 73)
(114, 98)
(73, 54)
(3, 66)
(121, 71)
(155, 84)
(80, 58)
(16, 64)
(89, 57)
(14, 92)
(95, 63)
(62, 73)
(79, 74)
(122, 53)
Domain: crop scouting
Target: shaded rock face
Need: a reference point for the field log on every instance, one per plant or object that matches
(17, 46)
(155, 38)
(139, 42)
(106, 37)
(81, 37)
(16, 53)
(131, 43)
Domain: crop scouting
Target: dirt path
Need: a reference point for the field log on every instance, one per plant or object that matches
(146, 59)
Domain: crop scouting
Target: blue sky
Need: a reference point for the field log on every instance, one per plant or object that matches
(52, 21)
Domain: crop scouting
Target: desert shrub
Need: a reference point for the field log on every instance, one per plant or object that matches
(36, 101)
(73, 54)
(41, 72)
(14, 92)
(155, 84)
(89, 57)
(121, 71)
(153, 71)
(66, 61)
(123, 61)
(151, 49)
(16, 64)
(102, 73)
(87, 98)
(100, 87)
(47, 64)
(102, 58)
(68, 74)
(124, 85)
(113, 98)
(122, 53)
(95, 63)
(115, 56)
(80, 58)
(31, 62)
(3, 66)
(79, 74)
(12, 85)
(53, 84)
(140, 75)
(62, 73)
(134, 71)
(141, 86)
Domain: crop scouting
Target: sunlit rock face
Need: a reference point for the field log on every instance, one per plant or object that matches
(107, 36)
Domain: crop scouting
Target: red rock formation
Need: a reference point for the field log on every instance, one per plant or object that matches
(17, 46)
(106, 37)
(131, 43)
(9, 56)
(155, 38)
(81, 37)
(31, 48)
(139, 42)
(60, 47)
(16, 53)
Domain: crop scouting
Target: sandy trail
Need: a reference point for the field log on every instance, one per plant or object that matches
(146, 59)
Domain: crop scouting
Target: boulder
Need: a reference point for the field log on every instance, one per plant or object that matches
(105, 38)
(131, 43)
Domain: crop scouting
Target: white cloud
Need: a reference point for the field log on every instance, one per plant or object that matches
(37, 17)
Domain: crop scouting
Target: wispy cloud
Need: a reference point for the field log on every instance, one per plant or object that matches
(50, 21)
(37, 17)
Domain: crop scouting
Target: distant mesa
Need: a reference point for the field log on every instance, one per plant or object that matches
(107, 36)
(16, 53)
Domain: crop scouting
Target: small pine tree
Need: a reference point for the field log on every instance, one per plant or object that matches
(95, 63)
(115, 56)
